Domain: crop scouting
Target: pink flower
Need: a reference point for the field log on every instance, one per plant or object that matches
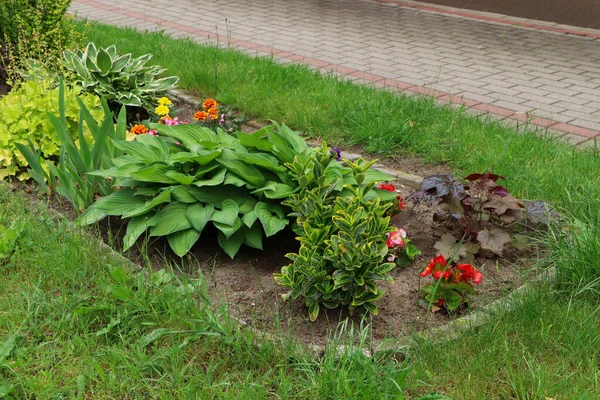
(153, 132)
(391, 258)
(222, 120)
(171, 121)
(395, 238)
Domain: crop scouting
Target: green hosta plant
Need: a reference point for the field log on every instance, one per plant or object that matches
(343, 241)
(120, 79)
(77, 158)
(177, 183)
(24, 117)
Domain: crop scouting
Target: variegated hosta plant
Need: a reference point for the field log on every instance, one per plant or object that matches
(119, 79)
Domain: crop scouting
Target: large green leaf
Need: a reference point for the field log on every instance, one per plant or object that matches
(162, 197)
(213, 179)
(249, 218)
(232, 244)
(182, 194)
(193, 137)
(228, 214)
(104, 62)
(136, 227)
(249, 173)
(202, 157)
(216, 195)
(182, 241)
(123, 171)
(253, 236)
(154, 173)
(154, 141)
(143, 152)
(257, 139)
(118, 203)
(271, 223)
(229, 230)
(90, 216)
(275, 190)
(171, 219)
(184, 179)
(263, 160)
(199, 214)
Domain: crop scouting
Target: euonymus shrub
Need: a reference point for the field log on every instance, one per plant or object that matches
(342, 223)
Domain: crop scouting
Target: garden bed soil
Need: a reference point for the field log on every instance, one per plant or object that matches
(246, 285)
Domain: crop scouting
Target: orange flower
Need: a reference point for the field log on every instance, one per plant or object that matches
(200, 116)
(213, 113)
(210, 103)
(139, 129)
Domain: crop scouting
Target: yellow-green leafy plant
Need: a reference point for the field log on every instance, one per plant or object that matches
(24, 118)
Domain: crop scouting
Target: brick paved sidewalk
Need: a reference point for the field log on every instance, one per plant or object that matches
(514, 69)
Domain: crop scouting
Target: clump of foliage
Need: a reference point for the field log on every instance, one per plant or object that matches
(187, 176)
(342, 234)
(37, 30)
(120, 79)
(24, 118)
(452, 289)
(78, 156)
(479, 214)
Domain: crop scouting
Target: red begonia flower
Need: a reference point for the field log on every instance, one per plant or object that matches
(387, 186)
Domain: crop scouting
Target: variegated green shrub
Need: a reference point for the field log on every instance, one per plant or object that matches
(343, 241)
(24, 116)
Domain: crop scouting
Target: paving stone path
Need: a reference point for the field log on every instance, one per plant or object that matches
(514, 69)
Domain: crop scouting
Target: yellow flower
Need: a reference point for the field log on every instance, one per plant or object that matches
(164, 101)
(162, 110)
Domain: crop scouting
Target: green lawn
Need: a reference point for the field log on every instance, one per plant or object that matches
(547, 346)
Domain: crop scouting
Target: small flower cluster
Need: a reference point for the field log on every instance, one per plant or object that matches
(452, 288)
(334, 151)
(163, 111)
(454, 273)
(163, 106)
(399, 202)
(400, 250)
(210, 112)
